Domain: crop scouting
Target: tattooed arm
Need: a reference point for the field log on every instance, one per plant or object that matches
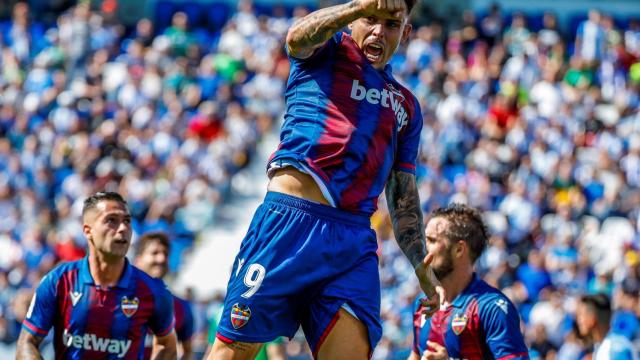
(408, 227)
(312, 31)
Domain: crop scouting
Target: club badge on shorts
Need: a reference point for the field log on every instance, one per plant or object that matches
(240, 315)
(129, 307)
(459, 323)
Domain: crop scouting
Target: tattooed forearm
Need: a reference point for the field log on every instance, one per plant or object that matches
(310, 32)
(240, 346)
(406, 215)
(245, 348)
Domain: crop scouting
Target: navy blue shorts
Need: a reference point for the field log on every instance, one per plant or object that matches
(299, 263)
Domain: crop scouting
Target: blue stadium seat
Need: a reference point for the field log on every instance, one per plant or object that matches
(163, 13)
(194, 12)
(217, 16)
(156, 225)
(451, 171)
(621, 23)
(5, 27)
(203, 37)
(574, 22)
(38, 30)
(262, 9)
(178, 247)
(507, 18)
(535, 21)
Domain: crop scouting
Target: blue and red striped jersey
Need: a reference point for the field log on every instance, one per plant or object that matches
(183, 324)
(184, 319)
(481, 323)
(99, 323)
(347, 125)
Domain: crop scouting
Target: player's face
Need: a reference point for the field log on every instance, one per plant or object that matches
(585, 319)
(439, 246)
(108, 228)
(154, 260)
(380, 34)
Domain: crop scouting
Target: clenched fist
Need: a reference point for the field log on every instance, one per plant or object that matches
(373, 6)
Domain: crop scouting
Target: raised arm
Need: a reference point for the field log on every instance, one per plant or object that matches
(312, 31)
(406, 216)
(28, 345)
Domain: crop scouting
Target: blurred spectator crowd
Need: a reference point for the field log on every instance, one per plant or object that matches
(537, 126)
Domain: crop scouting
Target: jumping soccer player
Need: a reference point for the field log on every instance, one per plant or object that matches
(478, 322)
(101, 306)
(152, 257)
(309, 257)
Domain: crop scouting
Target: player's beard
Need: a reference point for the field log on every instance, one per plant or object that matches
(445, 267)
(158, 270)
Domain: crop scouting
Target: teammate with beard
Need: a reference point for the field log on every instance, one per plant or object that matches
(476, 321)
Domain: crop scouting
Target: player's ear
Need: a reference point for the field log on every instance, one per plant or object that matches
(406, 31)
(461, 248)
(86, 230)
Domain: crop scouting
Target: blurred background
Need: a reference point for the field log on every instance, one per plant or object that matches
(531, 113)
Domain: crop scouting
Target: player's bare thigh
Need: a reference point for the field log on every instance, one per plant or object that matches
(348, 340)
(234, 351)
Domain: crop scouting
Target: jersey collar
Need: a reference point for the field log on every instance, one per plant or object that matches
(125, 278)
(459, 301)
(388, 70)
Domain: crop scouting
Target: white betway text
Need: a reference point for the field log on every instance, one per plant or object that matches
(92, 342)
(384, 97)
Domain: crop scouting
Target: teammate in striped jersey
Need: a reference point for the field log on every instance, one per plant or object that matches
(477, 321)
(100, 307)
(152, 257)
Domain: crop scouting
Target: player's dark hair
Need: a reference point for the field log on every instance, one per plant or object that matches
(466, 224)
(93, 200)
(600, 306)
(151, 237)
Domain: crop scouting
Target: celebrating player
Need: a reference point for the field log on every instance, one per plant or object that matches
(477, 320)
(152, 257)
(100, 306)
(309, 257)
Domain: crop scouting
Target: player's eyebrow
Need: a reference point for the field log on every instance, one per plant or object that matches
(116, 213)
(395, 16)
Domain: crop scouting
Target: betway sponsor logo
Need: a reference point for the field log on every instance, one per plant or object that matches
(92, 342)
(385, 97)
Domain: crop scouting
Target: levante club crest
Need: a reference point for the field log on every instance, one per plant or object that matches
(129, 307)
(458, 323)
(240, 315)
